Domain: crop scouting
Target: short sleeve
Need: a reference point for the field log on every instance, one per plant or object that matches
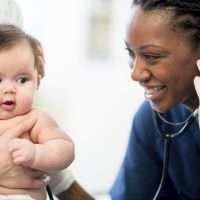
(61, 181)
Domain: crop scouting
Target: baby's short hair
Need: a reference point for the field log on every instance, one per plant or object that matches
(11, 35)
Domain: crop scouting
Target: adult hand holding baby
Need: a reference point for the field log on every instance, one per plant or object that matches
(22, 176)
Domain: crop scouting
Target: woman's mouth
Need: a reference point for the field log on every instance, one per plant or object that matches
(154, 93)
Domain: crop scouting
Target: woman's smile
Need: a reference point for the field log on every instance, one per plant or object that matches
(154, 93)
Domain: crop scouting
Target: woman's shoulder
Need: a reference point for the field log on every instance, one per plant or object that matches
(144, 112)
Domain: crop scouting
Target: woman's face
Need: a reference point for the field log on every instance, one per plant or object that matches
(161, 59)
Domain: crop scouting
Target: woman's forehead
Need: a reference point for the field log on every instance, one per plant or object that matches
(152, 28)
(143, 22)
(161, 17)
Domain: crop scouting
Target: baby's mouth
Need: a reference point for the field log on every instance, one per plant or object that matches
(8, 103)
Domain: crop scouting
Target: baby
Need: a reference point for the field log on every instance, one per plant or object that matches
(46, 147)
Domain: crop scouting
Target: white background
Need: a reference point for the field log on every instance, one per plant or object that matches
(93, 100)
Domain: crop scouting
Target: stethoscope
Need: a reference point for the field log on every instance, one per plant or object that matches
(168, 137)
(49, 193)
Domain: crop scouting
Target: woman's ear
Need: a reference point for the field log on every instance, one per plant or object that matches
(39, 77)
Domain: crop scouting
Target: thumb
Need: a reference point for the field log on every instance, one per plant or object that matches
(21, 128)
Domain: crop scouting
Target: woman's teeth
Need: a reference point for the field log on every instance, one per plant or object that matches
(151, 91)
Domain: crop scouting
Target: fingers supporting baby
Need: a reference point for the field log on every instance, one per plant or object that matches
(22, 177)
(20, 129)
(28, 180)
(34, 179)
(7, 137)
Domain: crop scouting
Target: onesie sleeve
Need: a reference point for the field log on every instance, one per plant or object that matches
(61, 181)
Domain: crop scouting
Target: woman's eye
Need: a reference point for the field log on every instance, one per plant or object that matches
(22, 80)
(151, 57)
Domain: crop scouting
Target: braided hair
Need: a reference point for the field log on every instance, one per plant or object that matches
(186, 15)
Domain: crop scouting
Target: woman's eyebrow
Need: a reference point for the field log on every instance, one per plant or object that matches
(126, 43)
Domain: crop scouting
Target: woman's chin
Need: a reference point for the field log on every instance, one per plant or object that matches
(159, 107)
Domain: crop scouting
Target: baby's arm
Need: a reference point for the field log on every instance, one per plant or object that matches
(51, 148)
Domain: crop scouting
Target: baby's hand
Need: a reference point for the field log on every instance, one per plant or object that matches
(22, 151)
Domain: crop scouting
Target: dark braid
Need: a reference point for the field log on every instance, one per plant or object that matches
(186, 15)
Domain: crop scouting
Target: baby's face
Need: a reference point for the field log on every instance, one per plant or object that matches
(18, 80)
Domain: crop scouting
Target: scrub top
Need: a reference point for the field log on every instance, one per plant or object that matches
(141, 170)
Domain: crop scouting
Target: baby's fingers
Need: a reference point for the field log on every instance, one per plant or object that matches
(19, 161)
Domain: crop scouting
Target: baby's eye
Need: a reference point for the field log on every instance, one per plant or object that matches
(22, 80)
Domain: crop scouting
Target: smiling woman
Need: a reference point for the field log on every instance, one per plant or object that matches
(163, 42)
(157, 61)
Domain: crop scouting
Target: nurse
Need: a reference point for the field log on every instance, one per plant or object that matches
(163, 42)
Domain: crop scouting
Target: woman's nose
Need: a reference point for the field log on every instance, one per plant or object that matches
(139, 71)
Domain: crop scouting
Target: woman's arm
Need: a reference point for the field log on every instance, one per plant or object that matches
(64, 186)
(75, 192)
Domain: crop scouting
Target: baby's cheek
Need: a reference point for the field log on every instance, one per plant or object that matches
(25, 102)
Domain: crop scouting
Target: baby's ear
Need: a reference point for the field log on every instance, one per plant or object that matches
(38, 80)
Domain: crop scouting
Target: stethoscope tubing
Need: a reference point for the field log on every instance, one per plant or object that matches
(168, 137)
(164, 134)
(165, 167)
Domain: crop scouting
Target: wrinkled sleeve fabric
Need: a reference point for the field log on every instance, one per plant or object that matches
(61, 181)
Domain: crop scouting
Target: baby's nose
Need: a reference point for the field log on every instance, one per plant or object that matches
(9, 89)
